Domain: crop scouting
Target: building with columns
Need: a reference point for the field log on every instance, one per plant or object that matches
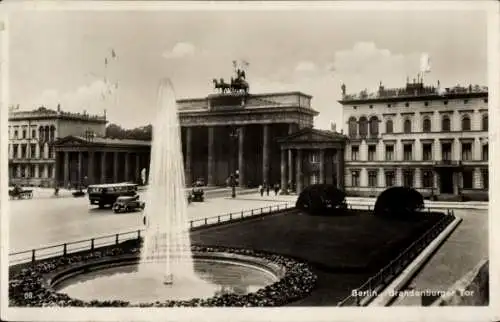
(264, 138)
(227, 133)
(311, 156)
(93, 160)
(32, 158)
(427, 137)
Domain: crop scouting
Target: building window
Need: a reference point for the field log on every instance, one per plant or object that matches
(354, 153)
(23, 172)
(23, 151)
(467, 179)
(389, 128)
(407, 126)
(389, 178)
(313, 156)
(446, 151)
(52, 133)
(372, 150)
(41, 135)
(446, 124)
(50, 169)
(374, 126)
(407, 104)
(466, 151)
(466, 123)
(371, 106)
(426, 125)
(353, 127)
(484, 125)
(485, 153)
(32, 150)
(486, 180)
(408, 179)
(445, 102)
(33, 134)
(363, 126)
(486, 100)
(42, 154)
(24, 134)
(427, 151)
(428, 179)
(354, 107)
(15, 148)
(51, 152)
(466, 101)
(426, 103)
(389, 105)
(16, 134)
(355, 178)
(389, 152)
(33, 171)
(372, 178)
(407, 152)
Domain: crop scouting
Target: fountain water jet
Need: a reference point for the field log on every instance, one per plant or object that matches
(167, 246)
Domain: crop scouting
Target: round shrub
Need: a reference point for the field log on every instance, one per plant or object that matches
(399, 202)
(322, 199)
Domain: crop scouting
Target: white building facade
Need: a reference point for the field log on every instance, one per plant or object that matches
(423, 137)
(31, 137)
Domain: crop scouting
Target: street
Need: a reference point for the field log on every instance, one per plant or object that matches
(47, 221)
(461, 252)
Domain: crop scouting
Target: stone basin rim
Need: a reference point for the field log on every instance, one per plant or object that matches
(51, 280)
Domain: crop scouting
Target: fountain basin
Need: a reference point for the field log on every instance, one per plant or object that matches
(45, 279)
(218, 273)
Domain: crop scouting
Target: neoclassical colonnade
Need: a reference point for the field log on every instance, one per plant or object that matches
(86, 163)
(250, 149)
(312, 156)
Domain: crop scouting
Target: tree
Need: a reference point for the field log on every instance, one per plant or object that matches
(144, 133)
(322, 199)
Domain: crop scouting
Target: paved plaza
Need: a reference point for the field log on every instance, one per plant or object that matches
(47, 221)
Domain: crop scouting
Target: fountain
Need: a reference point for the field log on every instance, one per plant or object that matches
(167, 247)
(166, 272)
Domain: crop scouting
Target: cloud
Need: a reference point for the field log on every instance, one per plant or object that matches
(305, 66)
(180, 50)
(92, 97)
(364, 65)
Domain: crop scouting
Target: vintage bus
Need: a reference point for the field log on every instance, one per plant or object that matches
(106, 194)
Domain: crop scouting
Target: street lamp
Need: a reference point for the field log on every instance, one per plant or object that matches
(234, 136)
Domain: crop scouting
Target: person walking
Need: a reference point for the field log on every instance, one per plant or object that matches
(276, 189)
(268, 187)
(261, 190)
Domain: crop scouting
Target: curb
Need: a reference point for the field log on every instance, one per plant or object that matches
(391, 291)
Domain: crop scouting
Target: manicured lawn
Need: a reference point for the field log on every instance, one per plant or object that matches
(344, 251)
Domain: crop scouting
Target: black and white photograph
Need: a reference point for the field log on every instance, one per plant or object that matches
(166, 160)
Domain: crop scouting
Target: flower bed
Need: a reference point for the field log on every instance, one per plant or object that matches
(26, 288)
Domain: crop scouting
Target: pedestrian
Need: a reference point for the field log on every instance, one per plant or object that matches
(268, 187)
(261, 190)
(276, 189)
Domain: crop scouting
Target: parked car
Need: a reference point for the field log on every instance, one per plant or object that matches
(197, 194)
(128, 204)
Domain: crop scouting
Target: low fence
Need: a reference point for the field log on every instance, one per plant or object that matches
(362, 295)
(114, 239)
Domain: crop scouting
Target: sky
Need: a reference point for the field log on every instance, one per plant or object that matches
(58, 57)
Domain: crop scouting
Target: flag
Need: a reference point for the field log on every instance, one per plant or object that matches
(425, 63)
(113, 53)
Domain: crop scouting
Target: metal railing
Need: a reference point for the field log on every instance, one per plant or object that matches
(385, 275)
(64, 249)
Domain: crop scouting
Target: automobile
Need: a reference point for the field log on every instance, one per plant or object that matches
(197, 194)
(128, 204)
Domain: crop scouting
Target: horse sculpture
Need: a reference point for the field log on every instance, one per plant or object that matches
(223, 86)
(238, 84)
